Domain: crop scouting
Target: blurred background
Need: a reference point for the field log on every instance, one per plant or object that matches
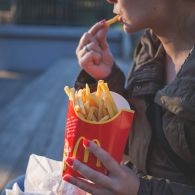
(38, 39)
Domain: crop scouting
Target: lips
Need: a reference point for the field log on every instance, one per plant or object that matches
(121, 19)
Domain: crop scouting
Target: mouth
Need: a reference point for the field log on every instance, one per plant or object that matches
(121, 19)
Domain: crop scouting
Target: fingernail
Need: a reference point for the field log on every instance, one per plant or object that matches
(70, 161)
(102, 21)
(86, 143)
(67, 177)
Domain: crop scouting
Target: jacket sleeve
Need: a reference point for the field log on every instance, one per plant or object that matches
(153, 186)
(116, 81)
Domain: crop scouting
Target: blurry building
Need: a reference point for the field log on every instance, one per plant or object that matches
(54, 12)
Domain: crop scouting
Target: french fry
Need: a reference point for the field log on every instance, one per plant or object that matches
(105, 89)
(104, 111)
(87, 96)
(94, 100)
(77, 108)
(87, 90)
(72, 94)
(112, 20)
(67, 90)
(90, 113)
(81, 105)
(105, 118)
(76, 104)
(84, 95)
(99, 90)
(109, 107)
(100, 109)
(95, 112)
(81, 115)
(94, 118)
(98, 106)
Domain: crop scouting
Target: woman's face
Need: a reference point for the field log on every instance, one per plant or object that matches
(138, 14)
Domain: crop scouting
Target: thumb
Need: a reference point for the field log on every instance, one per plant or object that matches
(102, 38)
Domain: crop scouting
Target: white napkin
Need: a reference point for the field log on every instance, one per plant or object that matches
(43, 177)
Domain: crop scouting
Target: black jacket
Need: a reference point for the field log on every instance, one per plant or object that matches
(146, 87)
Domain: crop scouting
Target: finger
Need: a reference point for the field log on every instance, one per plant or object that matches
(83, 184)
(111, 164)
(94, 176)
(94, 29)
(102, 38)
(94, 46)
(91, 58)
(85, 39)
(90, 46)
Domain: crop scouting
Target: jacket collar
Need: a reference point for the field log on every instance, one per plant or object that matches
(147, 73)
(179, 96)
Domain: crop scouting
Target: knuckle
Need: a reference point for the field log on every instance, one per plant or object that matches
(77, 51)
(91, 53)
(117, 188)
(77, 165)
(124, 175)
(92, 175)
(95, 149)
(107, 158)
(87, 35)
(82, 63)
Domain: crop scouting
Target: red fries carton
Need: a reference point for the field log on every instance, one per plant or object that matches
(111, 135)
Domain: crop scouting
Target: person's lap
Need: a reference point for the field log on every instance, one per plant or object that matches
(19, 180)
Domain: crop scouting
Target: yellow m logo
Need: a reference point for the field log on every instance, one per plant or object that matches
(86, 152)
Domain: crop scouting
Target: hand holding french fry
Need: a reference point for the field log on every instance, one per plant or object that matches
(97, 107)
(93, 52)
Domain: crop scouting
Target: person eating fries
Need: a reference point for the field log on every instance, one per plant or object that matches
(160, 87)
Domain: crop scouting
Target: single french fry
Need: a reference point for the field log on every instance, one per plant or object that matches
(67, 90)
(81, 105)
(95, 112)
(77, 108)
(84, 95)
(72, 94)
(106, 90)
(99, 90)
(104, 111)
(76, 104)
(109, 107)
(90, 113)
(105, 118)
(87, 89)
(94, 100)
(87, 106)
(94, 118)
(87, 98)
(100, 109)
(81, 115)
(112, 20)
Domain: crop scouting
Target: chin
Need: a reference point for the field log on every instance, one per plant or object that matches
(126, 29)
(130, 29)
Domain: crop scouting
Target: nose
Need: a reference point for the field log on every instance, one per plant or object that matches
(115, 9)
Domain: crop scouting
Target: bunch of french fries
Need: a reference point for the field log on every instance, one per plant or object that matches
(98, 106)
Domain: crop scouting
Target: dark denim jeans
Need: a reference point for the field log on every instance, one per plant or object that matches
(19, 180)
